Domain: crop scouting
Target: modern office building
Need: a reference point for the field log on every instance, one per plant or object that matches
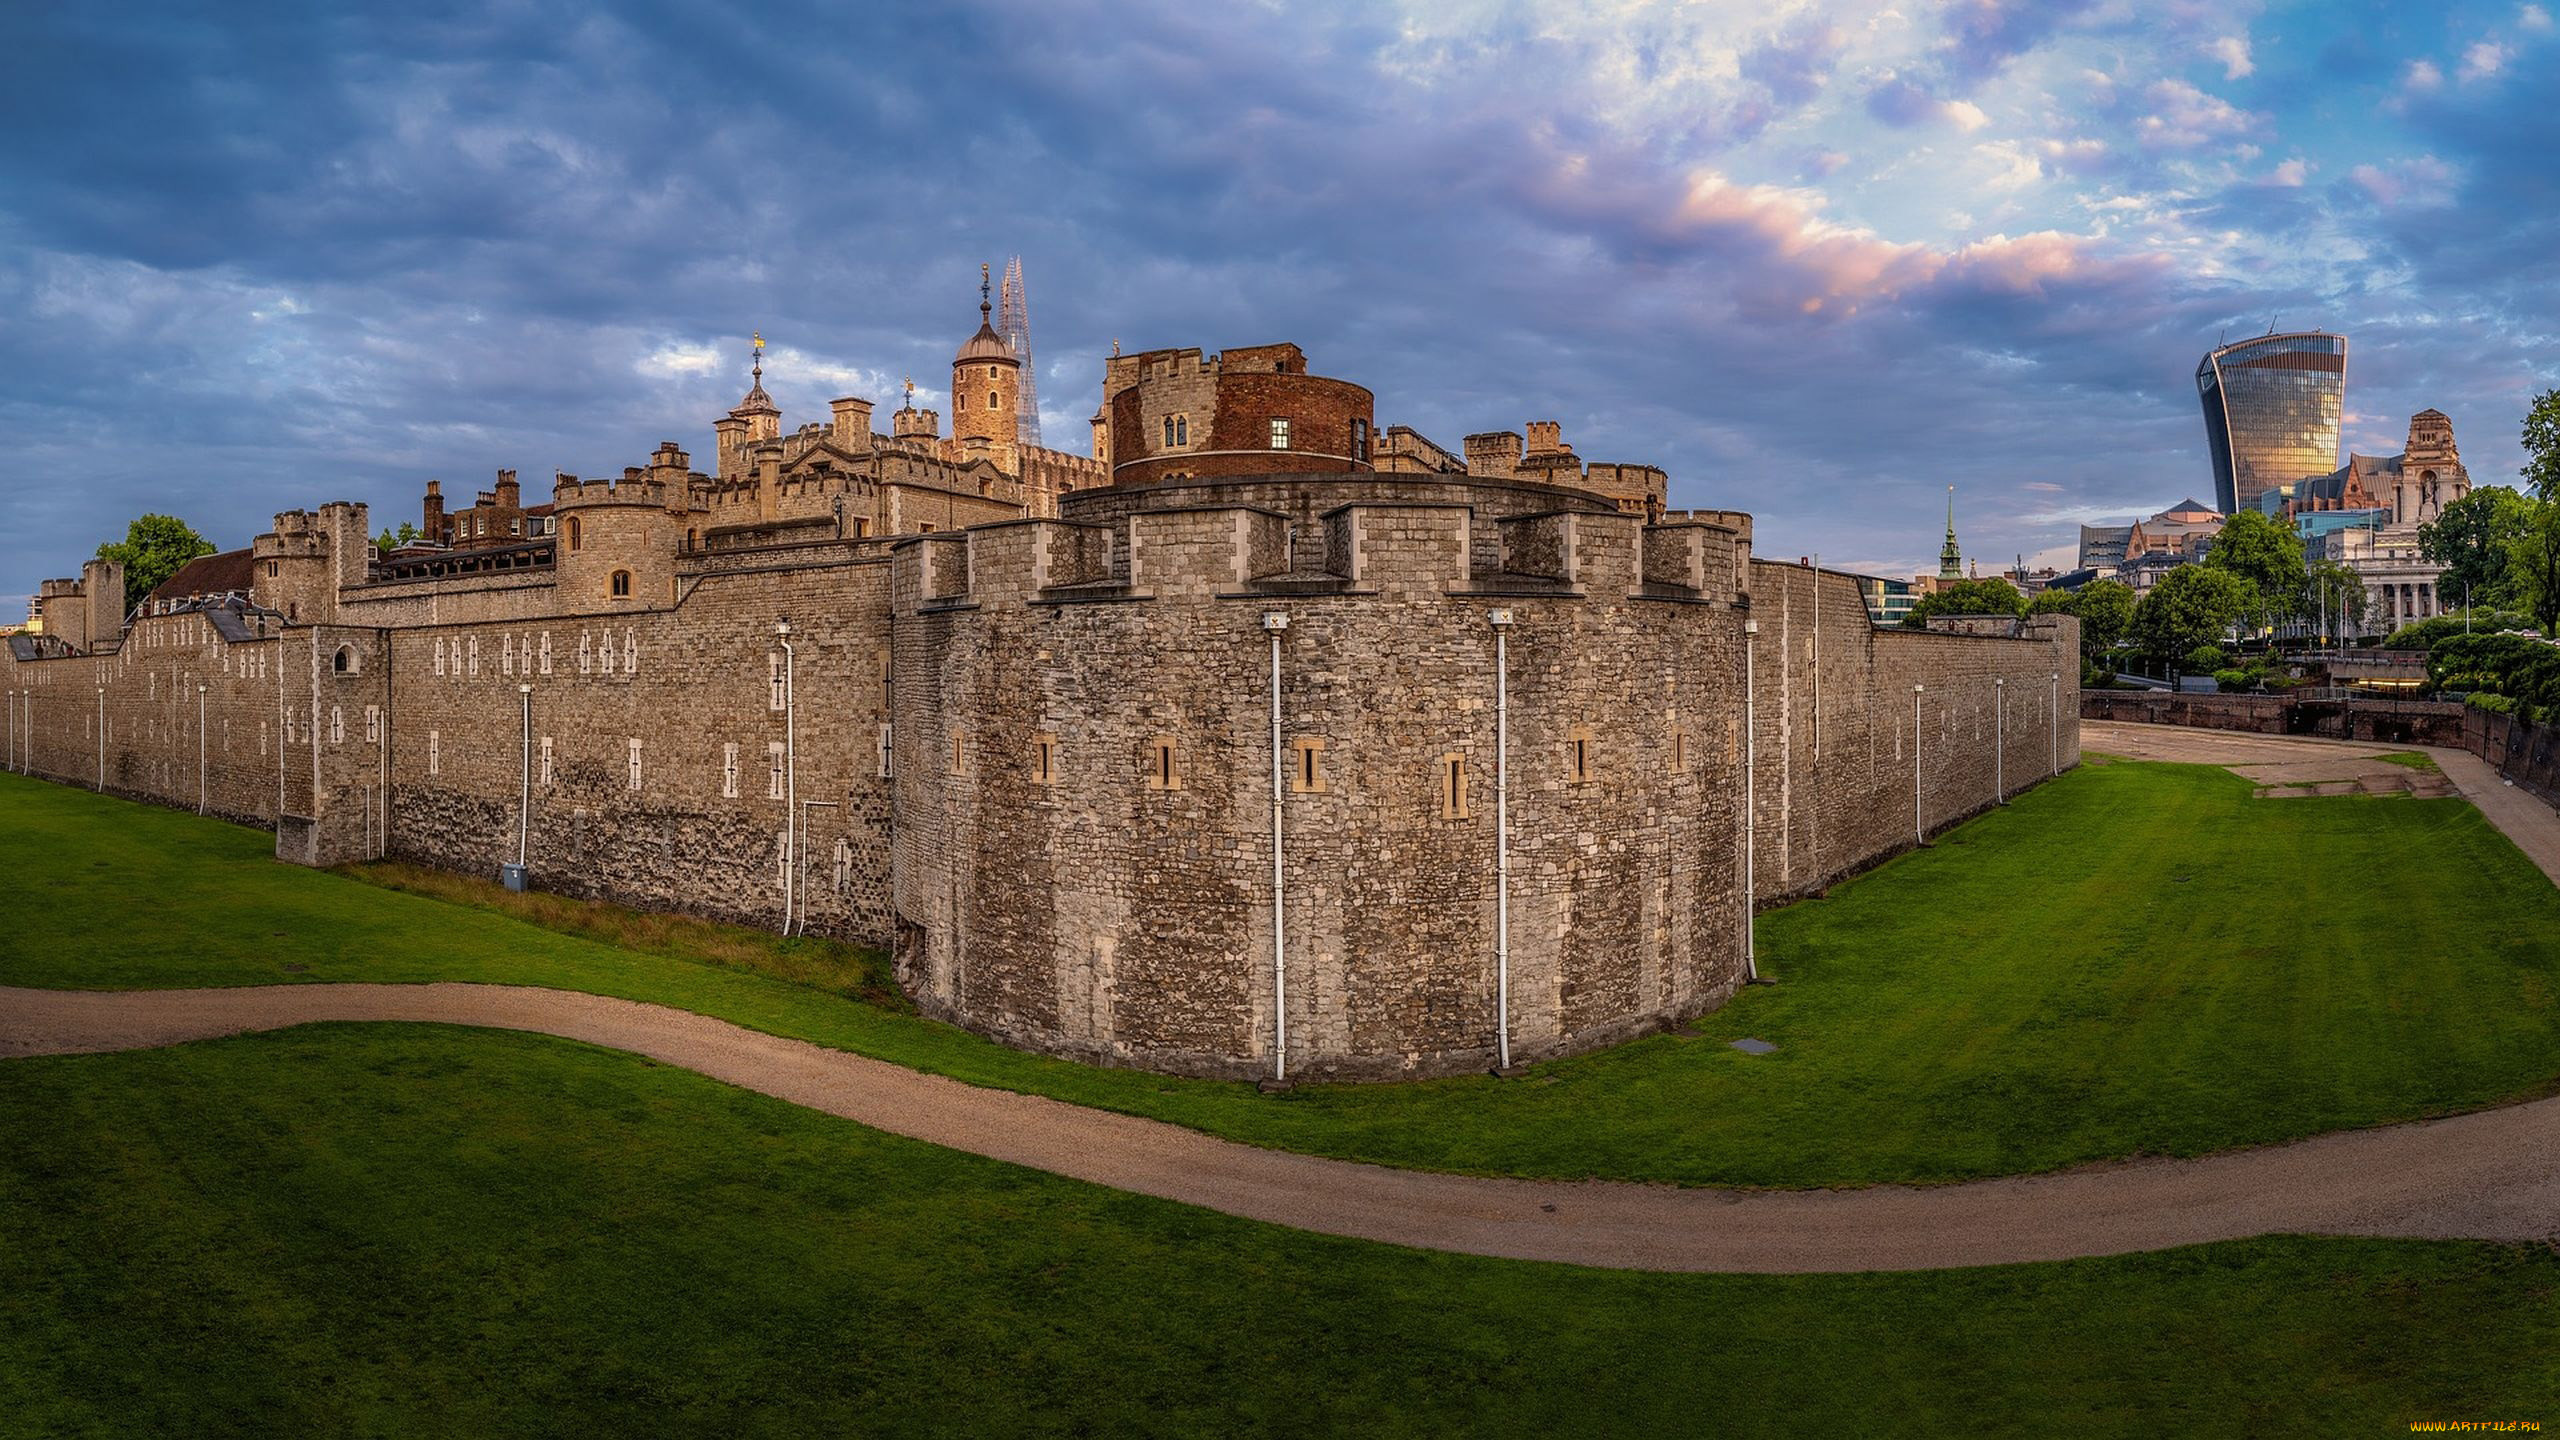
(2272, 408)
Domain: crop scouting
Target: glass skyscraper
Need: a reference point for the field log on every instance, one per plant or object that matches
(2271, 411)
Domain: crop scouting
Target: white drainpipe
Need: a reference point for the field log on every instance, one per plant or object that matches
(790, 775)
(102, 739)
(1750, 801)
(1273, 622)
(2000, 740)
(524, 776)
(1501, 620)
(200, 749)
(1919, 828)
(2057, 722)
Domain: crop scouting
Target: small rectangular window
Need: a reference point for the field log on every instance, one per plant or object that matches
(773, 757)
(1181, 429)
(888, 736)
(1044, 758)
(549, 775)
(1306, 771)
(586, 659)
(373, 724)
(775, 695)
(729, 771)
(435, 749)
(546, 652)
(959, 751)
(1279, 434)
(475, 655)
(439, 655)
(634, 770)
(337, 726)
(1164, 767)
(1578, 753)
(1453, 787)
(1679, 749)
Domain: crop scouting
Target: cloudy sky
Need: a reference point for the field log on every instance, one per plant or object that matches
(1818, 260)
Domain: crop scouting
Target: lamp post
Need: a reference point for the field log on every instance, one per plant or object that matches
(1919, 830)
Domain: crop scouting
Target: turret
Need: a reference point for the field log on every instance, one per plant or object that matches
(302, 565)
(986, 391)
(616, 541)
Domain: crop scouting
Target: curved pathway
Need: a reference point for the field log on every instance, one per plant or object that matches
(2490, 1175)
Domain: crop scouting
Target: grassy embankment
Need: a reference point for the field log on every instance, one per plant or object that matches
(2134, 959)
(396, 1230)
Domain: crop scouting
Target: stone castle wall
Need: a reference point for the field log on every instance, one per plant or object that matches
(1066, 832)
(1083, 855)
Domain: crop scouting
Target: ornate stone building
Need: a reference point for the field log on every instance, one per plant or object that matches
(1259, 742)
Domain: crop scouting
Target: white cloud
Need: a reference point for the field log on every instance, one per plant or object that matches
(2012, 167)
(2184, 117)
(2290, 174)
(2422, 75)
(2233, 52)
(1966, 116)
(2534, 18)
(672, 360)
(2420, 182)
(2483, 60)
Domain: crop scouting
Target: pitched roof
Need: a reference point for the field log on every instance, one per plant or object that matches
(208, 575)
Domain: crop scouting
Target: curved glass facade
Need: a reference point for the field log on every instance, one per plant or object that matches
(2271, 412)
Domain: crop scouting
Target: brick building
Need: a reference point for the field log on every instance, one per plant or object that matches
(1264, 741)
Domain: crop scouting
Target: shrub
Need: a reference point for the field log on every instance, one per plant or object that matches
(2203, 659)
(2230, 680)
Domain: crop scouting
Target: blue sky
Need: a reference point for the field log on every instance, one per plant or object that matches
(1817, 260)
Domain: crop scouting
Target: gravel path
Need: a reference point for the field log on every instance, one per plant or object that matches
(2491, 1175)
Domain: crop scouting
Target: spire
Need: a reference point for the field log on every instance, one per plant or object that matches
(1951, 559)
(911, 392)
(985, 309)
(757, 402)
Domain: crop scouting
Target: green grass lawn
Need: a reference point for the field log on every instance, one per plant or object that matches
(396, 1229)
(2133, 959)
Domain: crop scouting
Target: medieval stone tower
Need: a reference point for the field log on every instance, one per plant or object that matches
(986, 392)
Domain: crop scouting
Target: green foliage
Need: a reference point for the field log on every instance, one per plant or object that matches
(2470, 539)
(2424, 634)
(2104, 609)
(420, 1231)
(2533, 565)
(390, 540)
(2542, 446)
(2265, 553)
(2192, 605)
(2487, 700)
(1993, 596)
(2513, 665)
(153, 548)
(2203, 659)
(2230, 680)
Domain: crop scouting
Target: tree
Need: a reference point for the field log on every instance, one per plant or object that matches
(2533, 564)
(153, 548)
(390, 540)
(2542, 446)
(2265, 553)
(1994, 596)
(2469, 539)
(2105, 609)
(2190, 606)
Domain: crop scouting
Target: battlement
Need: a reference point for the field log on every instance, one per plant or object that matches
(58, 590)
(634, 487)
